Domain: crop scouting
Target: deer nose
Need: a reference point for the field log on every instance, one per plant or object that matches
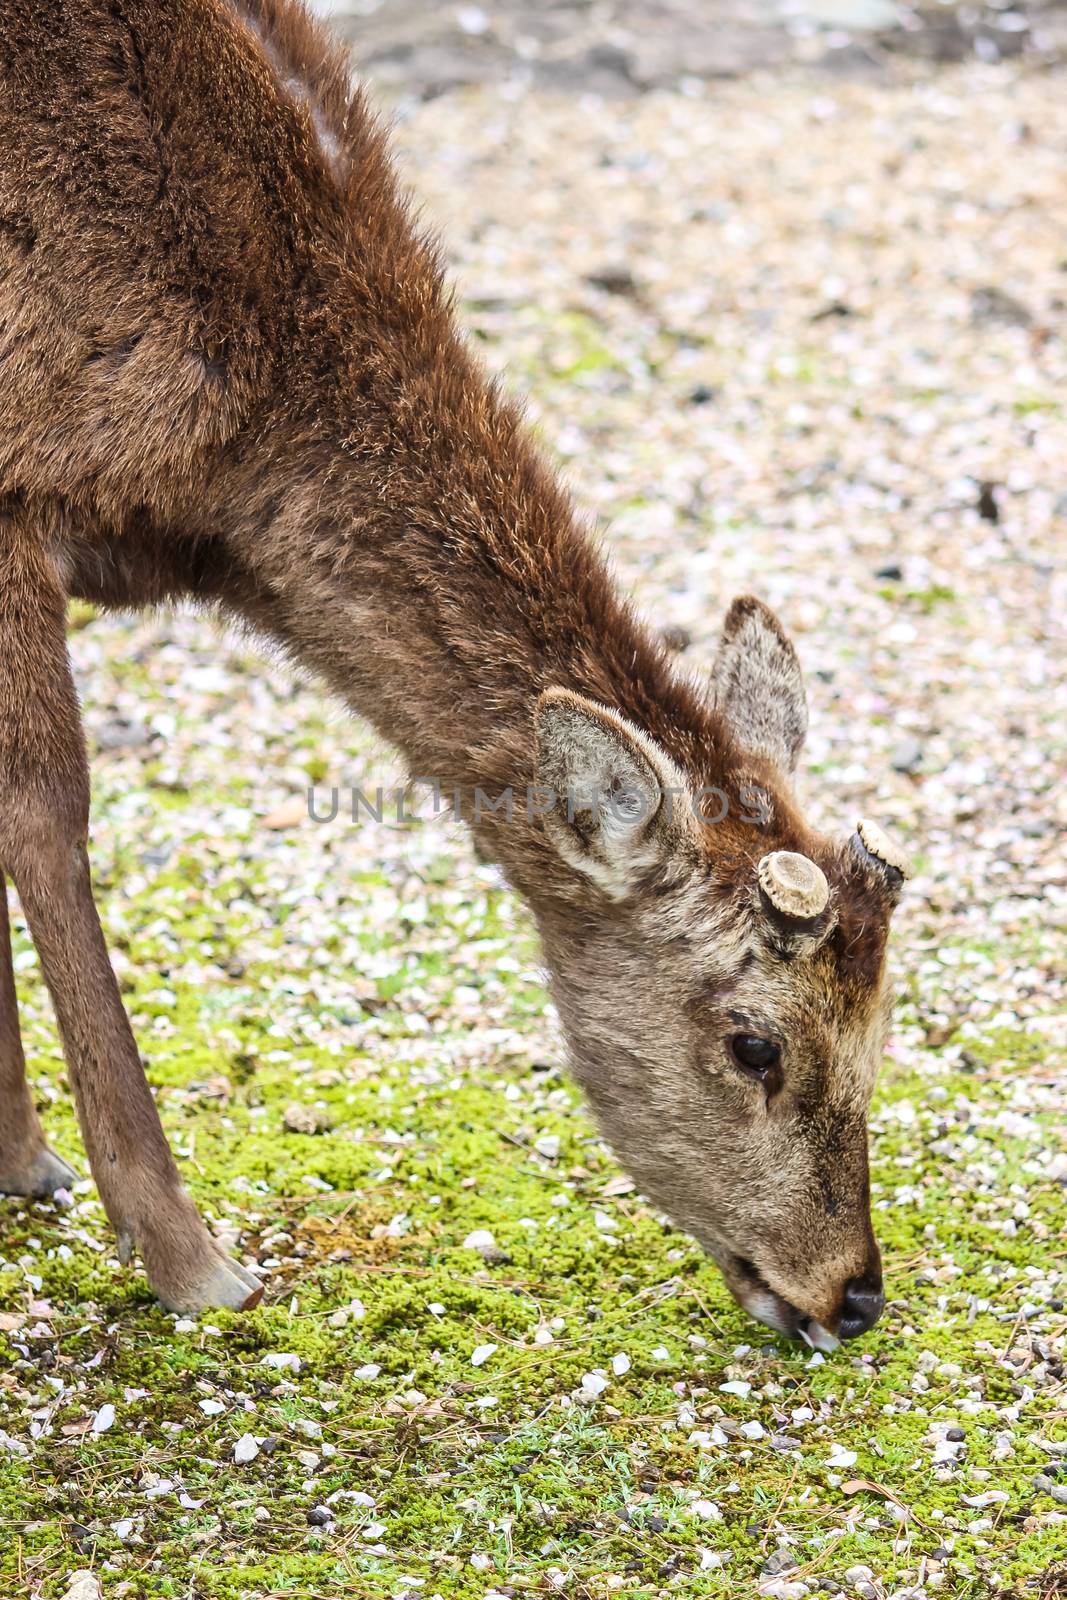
(861, 1306)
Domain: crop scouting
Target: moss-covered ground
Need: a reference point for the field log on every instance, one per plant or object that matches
(388, 1460)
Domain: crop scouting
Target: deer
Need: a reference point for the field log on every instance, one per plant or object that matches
(232, 375)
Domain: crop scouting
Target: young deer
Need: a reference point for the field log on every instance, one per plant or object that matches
(230, 371)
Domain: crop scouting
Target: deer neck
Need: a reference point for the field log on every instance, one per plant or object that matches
(440, 583)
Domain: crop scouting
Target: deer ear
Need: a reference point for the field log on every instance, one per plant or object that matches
(757, 684)
(616, 796)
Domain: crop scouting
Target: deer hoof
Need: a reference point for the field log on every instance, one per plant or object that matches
(38, 1177)
(186, 1268)
(226, 1283)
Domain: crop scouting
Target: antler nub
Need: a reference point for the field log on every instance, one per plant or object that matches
(795, 886)
(886, 851)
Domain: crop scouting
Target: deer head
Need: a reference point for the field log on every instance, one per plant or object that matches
(721, 982)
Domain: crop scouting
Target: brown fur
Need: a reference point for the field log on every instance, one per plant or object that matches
(230, 371)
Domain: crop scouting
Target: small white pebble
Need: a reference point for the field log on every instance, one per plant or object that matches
(706, 1510)
(84, 1586)
(281, 1361)
(480, 1239)
(840, 1457)
(473, 20)
(246, 1449)
(752, 1430)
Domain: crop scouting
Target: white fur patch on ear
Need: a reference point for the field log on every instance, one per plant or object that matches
(757, 684)
(616, 793)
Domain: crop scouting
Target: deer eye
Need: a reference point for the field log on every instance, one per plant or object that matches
(761, 1057)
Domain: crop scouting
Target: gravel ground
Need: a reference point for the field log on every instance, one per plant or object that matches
(782, 335)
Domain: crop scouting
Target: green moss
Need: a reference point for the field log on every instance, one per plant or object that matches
(498, 1462)
(409, 1016)
(1028, 405)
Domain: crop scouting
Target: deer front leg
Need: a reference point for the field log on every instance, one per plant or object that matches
(27, 1166)
(44, 812)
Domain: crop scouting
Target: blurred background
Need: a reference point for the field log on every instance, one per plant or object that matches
(626, 46)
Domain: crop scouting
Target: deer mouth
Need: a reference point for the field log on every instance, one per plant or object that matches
(770, 1308)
